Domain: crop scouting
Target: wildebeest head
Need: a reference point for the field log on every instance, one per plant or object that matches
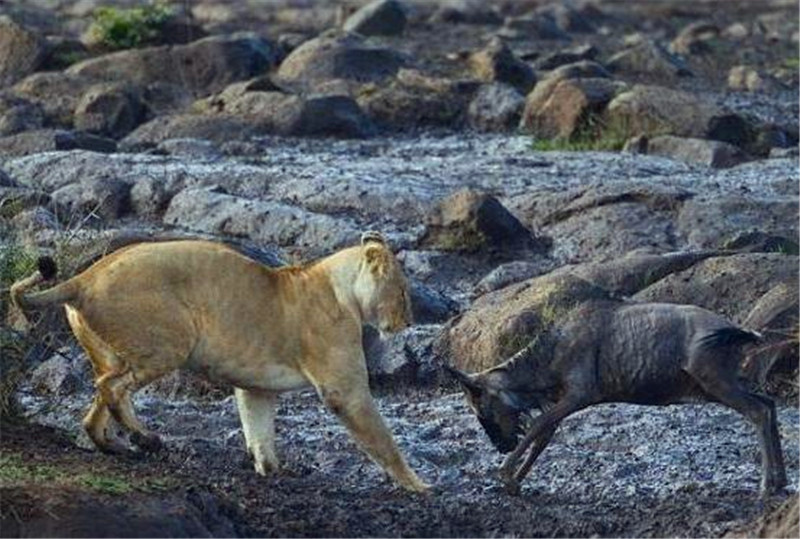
(498, 409)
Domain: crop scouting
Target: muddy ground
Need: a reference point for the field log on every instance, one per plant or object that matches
(613, 470)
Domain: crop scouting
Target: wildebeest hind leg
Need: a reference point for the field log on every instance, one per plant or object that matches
(761, 414)
(779, 470)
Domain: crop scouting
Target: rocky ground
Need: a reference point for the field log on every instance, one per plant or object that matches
(483, 139)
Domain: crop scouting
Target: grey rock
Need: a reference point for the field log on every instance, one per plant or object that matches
(648, 57)
(17, 115)
(63, 51)
(513, 272)
(378, 18)
(52, 170)
(215, 128)
(605, 222)
(204, 66)
(567, 18)
(190, 148)
(21, 51)
(756, 241)
(730, 285)
(106, 198)
(582, 69)
(535, 26)
(411, 102)
(18, 205)
(655, 110)
(337, 56)
(710, 153)
(109, 109)
(429, 306)
(6, 180)
(325, 115)
(151, 195)
(46, 140)
(466, 12)
(333, 115)
(500, 323)
(62, 374)
(162, 98)
(569, 107)
(402, 359)
(783, 153)
(57, 93)
(496, 107)
(709, 222)
(36, 219)
(496, 63)
(539, 98)
(208, 210)
(471, 221)
(628, 274)
(566, 56)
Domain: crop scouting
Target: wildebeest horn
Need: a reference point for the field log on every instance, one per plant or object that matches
(461, 376)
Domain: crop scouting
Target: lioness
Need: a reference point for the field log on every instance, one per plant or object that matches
(150, 308)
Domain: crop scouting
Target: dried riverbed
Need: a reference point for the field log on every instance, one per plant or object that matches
(613, 470)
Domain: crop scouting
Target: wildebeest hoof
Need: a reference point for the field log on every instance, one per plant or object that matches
(506, 476)
(511, 486)
(148, 444)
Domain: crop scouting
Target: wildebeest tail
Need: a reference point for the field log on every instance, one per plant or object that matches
(729, 336)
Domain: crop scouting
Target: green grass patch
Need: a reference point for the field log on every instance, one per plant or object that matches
(118, 29)
(16, 262)
(14, 471)
(594, 135)
(792, 63)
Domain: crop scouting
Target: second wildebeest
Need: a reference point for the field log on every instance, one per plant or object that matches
(615, 351)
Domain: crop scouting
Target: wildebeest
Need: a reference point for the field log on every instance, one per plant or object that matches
(612, 351)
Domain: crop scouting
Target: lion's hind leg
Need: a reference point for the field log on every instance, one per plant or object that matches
(116, 388)
(96, 422)
(114, 380)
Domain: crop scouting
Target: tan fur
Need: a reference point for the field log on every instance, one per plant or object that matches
(148, 309)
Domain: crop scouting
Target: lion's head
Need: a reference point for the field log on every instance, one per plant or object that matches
(382, 287)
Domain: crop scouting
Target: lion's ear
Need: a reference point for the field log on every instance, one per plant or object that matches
(372, 236)
(375, 256)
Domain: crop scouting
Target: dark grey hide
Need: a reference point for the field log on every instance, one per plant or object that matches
(613, 351)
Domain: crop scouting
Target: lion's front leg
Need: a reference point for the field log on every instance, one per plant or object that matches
(257, 413)
(343, 385)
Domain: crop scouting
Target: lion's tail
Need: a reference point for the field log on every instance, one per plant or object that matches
(46, 271)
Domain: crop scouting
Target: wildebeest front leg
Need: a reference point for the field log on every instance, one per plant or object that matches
(538, 446)
(541, 432)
